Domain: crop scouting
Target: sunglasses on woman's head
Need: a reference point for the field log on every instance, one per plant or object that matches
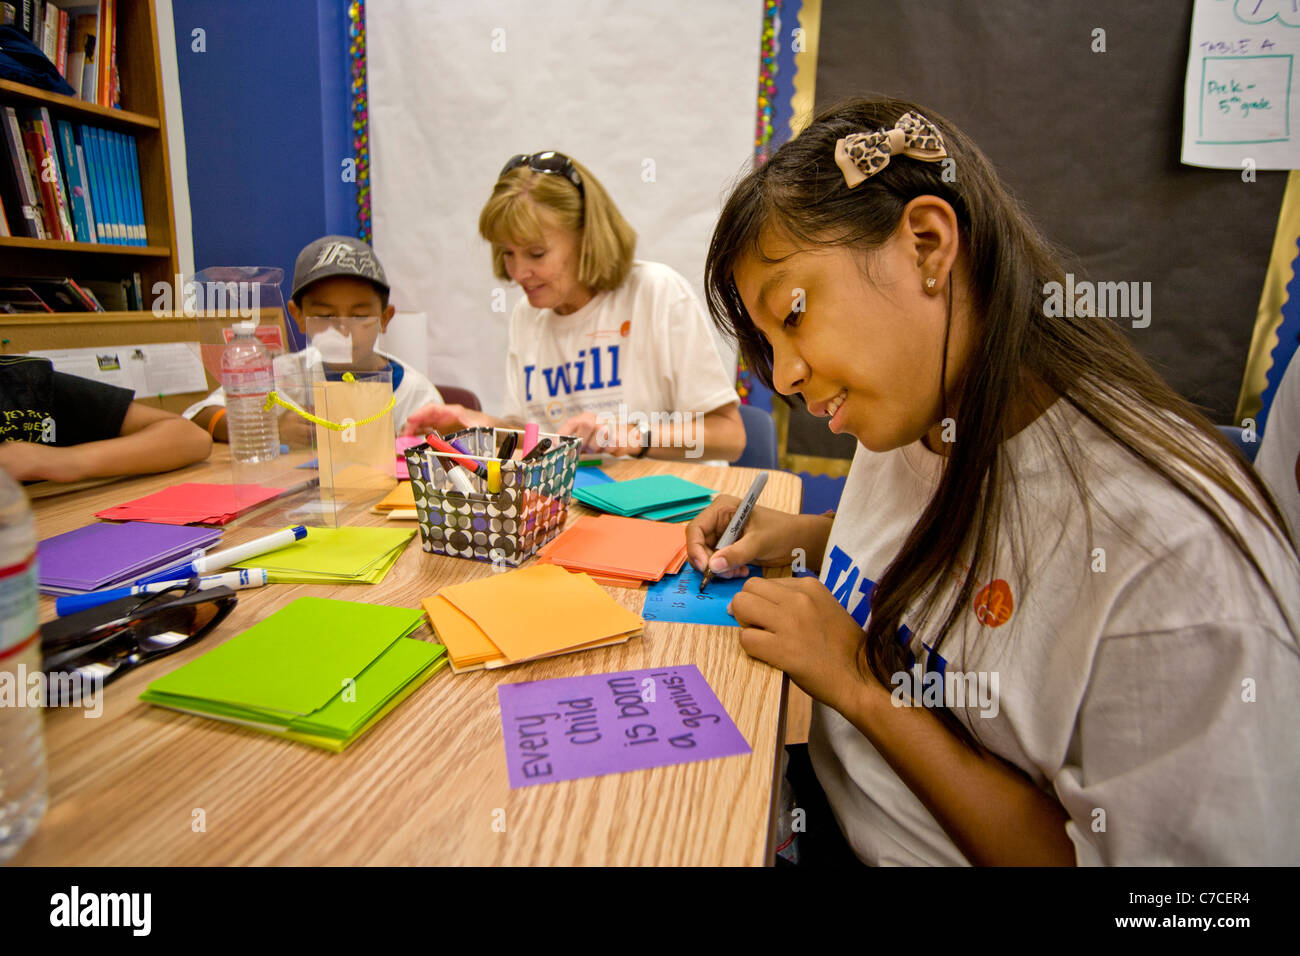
(547, 162)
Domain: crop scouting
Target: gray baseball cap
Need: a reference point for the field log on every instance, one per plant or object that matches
(331, 256)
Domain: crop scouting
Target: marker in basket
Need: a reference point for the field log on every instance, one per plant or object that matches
(538, 450)
(531, 431)
(469, 464)
(508, 446)
(455, 473)
(493, 477)
(738, 520)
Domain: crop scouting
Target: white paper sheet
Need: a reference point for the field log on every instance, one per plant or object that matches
(657, 99)
(162, 368)
(1239, 111)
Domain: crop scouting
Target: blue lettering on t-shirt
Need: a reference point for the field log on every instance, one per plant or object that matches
(572, 376)
(614, 380)
(557, 377)
(840, 565)
(580, 367)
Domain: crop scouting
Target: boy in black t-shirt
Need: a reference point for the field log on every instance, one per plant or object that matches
(60, 427)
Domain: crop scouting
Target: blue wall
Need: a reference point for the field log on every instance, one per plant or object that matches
(267, 126)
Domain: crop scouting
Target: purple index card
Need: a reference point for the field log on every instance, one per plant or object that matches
(596, 724)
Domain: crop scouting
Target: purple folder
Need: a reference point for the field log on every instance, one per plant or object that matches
(104, 555)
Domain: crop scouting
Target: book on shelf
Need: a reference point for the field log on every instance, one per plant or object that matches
(23, 201)
(81, 51)
(70, 33)
(76, 188)
(61, 294)
(69, 181)
(61, 44)
(50, 32)
(106, 62)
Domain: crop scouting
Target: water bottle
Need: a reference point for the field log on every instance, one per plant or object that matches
(22, 729)
(247, 375)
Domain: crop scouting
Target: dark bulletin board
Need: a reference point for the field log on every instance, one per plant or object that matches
(1090, 143)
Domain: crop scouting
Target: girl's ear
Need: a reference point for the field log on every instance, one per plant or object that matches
(931, 227)
(387, 317)
(297, 316)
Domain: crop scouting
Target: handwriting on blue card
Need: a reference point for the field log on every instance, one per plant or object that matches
(677, 597)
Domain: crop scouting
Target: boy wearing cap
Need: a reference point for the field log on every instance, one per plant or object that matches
(339, 301)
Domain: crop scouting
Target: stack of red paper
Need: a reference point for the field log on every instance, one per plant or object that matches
(623, 552)
(192, 503)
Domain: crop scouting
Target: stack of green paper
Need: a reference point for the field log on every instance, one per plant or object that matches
(317, 671)
(655, 497)
(335, 556)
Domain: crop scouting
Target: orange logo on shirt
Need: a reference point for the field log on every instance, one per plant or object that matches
(625, 328)
(994, 604)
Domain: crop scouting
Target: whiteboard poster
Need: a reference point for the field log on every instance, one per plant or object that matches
(1238, 108)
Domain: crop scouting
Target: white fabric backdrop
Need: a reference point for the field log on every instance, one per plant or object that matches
(611, 83)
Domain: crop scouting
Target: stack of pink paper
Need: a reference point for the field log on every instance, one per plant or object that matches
(401, 472)
(192, 503)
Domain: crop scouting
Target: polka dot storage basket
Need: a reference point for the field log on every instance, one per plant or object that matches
(506, 527)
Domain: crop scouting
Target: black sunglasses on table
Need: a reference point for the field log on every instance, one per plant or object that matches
(105, 642)
(548, 162)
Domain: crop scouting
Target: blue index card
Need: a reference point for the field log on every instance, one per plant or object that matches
(586, 477)
(677, 597)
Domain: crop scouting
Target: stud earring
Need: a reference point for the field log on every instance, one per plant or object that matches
(929, 282)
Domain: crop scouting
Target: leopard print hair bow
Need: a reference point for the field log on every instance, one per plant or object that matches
(862, 155)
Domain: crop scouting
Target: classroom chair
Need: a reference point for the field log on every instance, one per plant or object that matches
(454, 395)
(760, 439)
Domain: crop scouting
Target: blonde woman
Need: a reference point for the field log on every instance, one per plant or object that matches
(604, 346)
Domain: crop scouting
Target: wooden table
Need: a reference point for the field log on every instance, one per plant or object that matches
(427, 784)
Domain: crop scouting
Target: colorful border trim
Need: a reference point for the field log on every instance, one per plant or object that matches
(767, 72)
(360, 113)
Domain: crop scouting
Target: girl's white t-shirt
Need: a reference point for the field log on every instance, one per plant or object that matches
(1141, 674)
(645, 347)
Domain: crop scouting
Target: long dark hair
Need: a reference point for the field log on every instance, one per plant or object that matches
(1085, 361)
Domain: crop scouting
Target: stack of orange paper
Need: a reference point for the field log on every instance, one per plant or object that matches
(522, 615)
(623, 552)
(398, 503)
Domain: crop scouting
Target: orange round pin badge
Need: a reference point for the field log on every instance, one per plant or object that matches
(994, 604)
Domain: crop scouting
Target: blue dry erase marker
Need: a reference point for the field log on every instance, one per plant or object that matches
(235, 580)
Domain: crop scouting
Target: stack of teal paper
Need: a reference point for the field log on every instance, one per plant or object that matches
(317, 671)
(655, 497)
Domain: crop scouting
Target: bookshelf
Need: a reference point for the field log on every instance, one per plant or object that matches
(141, 117)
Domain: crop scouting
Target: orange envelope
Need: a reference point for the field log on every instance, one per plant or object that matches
(403, 496)
(472, 650)
(467, 645)
(613, 546)
(542, 610)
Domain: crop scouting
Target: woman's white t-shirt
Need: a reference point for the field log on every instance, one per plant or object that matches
(644, 347)
(1142, 675)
